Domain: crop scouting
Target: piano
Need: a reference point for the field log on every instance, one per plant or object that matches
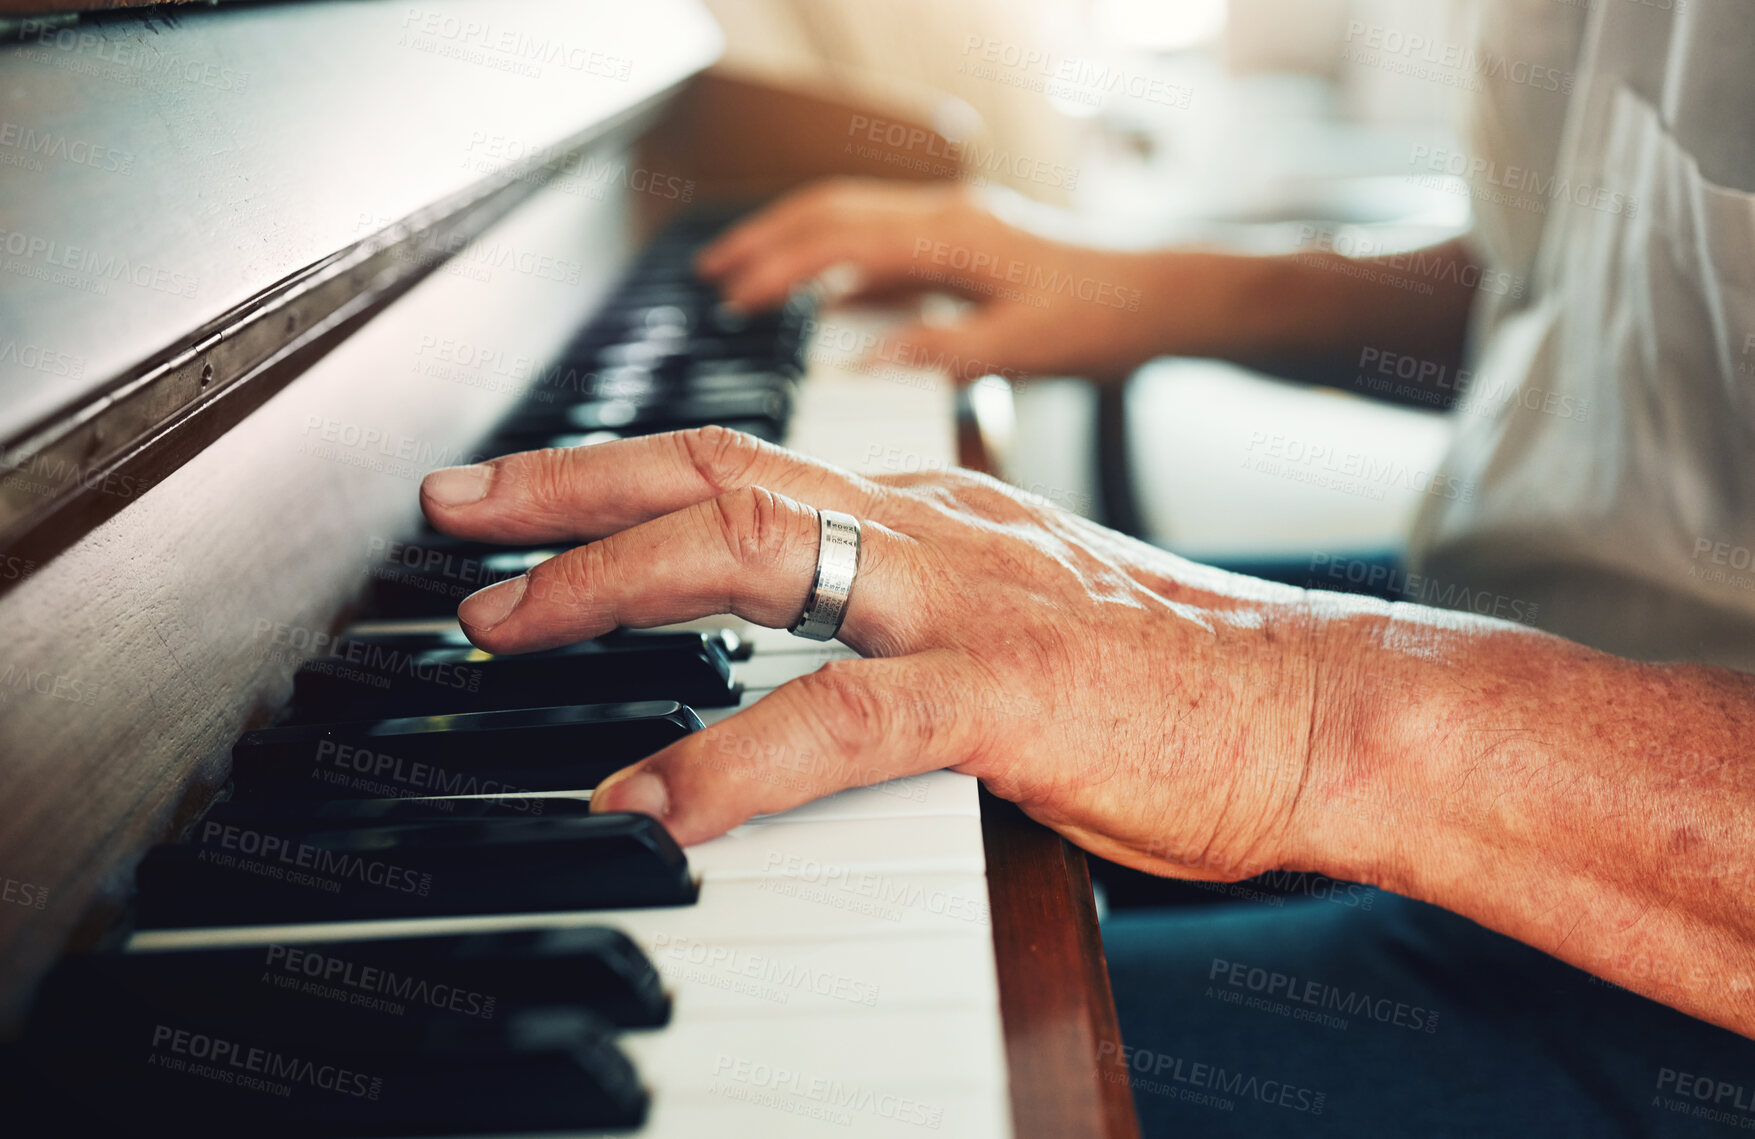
(282, 853)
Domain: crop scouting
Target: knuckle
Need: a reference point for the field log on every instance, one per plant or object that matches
(722, 458)
(851, 713)
(568, 579)
(541, 478)
(755, 524)
(986, 496)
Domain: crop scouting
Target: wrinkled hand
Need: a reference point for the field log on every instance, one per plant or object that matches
(1041, 307)
(1155, 712)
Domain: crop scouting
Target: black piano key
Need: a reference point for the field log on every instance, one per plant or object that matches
(533, 1070)
(535, 434)
(415, 581)
(243, 874)
(770, 405)
(565, 748)
(367, 679)
(730, 643)
(280, 811)
(385, 992)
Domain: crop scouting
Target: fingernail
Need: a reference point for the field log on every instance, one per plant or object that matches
(458, 486)
(631, 789)
(842, 279)
(486, 608)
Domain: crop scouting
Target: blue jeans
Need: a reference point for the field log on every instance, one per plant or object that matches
(1368, 1014)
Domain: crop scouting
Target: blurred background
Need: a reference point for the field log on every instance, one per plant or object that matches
(1249, 124)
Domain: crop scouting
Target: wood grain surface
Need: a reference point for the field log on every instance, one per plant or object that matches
(1053, 983)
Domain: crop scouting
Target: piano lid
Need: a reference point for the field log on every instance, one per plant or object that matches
(190, 197)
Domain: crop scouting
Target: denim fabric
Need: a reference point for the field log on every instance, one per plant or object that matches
(1383, 1016)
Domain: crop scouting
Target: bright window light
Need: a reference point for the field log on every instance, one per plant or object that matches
(1159, 25)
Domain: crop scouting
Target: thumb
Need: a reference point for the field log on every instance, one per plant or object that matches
(848, 724)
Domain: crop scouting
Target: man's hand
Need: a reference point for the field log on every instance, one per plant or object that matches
(1155, 712)
(1161, 714)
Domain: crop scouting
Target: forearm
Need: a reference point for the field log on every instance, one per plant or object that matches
(1317, 315)
(1598, 809)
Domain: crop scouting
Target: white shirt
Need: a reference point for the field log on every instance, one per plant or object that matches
(1609, 426)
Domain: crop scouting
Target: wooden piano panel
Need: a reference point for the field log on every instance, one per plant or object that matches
(135, 658)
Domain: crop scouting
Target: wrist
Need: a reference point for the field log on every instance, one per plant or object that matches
(1211, 304)
(1363, 775)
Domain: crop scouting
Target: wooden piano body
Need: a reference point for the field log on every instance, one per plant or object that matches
(311, 252)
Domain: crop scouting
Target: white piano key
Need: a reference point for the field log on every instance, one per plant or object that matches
(877, 1053)
(769, 668)
(842, 852)
(933, 793)
(776, 908)
(719, 980)
(759, 637)
(755, 1113)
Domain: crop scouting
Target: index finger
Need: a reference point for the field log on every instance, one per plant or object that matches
(796, 212)
(580, 493)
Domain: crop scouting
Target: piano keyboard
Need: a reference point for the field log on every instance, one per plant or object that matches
(834, 966)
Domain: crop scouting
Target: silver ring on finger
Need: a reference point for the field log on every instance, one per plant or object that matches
(837, 565)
